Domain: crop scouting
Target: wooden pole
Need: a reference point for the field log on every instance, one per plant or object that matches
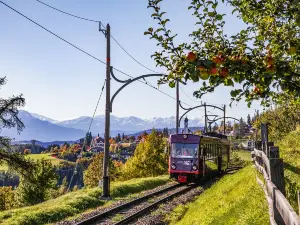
(177, 107)
(105, 183)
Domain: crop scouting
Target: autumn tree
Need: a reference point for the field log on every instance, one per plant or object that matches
(257, 61)
(94, 172)
(149, 158)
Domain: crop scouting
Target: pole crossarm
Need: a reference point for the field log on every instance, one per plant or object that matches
(226, 117)
(127, 82)
(199, 106)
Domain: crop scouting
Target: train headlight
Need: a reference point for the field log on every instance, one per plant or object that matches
(173, 166)
(185, 136)
(194, 167)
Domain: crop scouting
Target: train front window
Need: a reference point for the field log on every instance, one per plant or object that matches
(180, 150)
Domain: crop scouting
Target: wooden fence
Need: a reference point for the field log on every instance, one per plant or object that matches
(267, 162)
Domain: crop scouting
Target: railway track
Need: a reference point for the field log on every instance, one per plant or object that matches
(129, 211)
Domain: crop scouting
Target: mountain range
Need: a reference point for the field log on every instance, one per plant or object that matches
(45, 129)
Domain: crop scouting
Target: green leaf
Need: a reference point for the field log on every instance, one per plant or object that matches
(172, 84)
(219, 17)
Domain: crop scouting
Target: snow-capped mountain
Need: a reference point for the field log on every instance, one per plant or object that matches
(45, 129)
(41, 130)
(125, 124)
(43, 118)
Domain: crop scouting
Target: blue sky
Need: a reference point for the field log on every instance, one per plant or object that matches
(62, 83)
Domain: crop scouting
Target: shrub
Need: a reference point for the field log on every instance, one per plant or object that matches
(7, 198)
(37, 189)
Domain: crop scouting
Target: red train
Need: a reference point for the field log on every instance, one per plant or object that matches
(192, 157)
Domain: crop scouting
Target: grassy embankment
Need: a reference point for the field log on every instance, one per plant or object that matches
(53, 160)
(76, 202)
(235, 199)
(289, 149)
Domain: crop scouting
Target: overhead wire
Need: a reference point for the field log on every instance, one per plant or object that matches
(81, 50)
(88, 130)
(98, 21)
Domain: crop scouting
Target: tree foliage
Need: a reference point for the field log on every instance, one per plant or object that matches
(263, 58)
(150, 158)
(37, 189)
(282, 118)
(94, 172)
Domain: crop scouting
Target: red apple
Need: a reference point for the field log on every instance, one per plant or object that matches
(191, 57)
(201, 68)
(224, 72)
(213, 71)
(256, 90)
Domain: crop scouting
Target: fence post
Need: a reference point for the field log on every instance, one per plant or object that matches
(299, 202)
(277, 178)
(276, 169)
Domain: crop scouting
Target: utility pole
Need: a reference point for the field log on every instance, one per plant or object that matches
(106, 181)
(205, 118)
(224, 129)
(177, 106)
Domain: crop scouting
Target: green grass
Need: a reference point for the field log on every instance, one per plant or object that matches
(76, 202)
(35, 157)
(289, 149)
(235, 199)
(244, 155)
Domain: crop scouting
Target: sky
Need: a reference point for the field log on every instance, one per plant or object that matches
(60, 82)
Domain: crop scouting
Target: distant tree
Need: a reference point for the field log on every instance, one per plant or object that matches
(165, 132)
(123, 137)
(118, 138)
(242, 127)
(249, 120)
(88, 138)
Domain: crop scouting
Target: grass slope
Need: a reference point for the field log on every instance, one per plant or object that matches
(54, 161)
(235, 199)
(290, 152)
(75, 202)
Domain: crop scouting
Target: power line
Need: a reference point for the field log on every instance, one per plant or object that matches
(78, 17)
(84, 142)
(188, 96)
(97, 21)
(53, 33)
(69, 43)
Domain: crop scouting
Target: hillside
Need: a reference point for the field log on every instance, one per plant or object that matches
(42, 130)
(229, 201)
(290, 152)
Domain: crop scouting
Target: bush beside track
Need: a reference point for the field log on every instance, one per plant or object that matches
(234, 199)
(289, 148)
(75, 202)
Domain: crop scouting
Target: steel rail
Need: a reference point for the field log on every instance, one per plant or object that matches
(153, 205)
(125, 205)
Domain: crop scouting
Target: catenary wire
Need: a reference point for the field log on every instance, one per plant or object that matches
(80, 48)
(89, 128)
(78, 17)
(98, 21)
